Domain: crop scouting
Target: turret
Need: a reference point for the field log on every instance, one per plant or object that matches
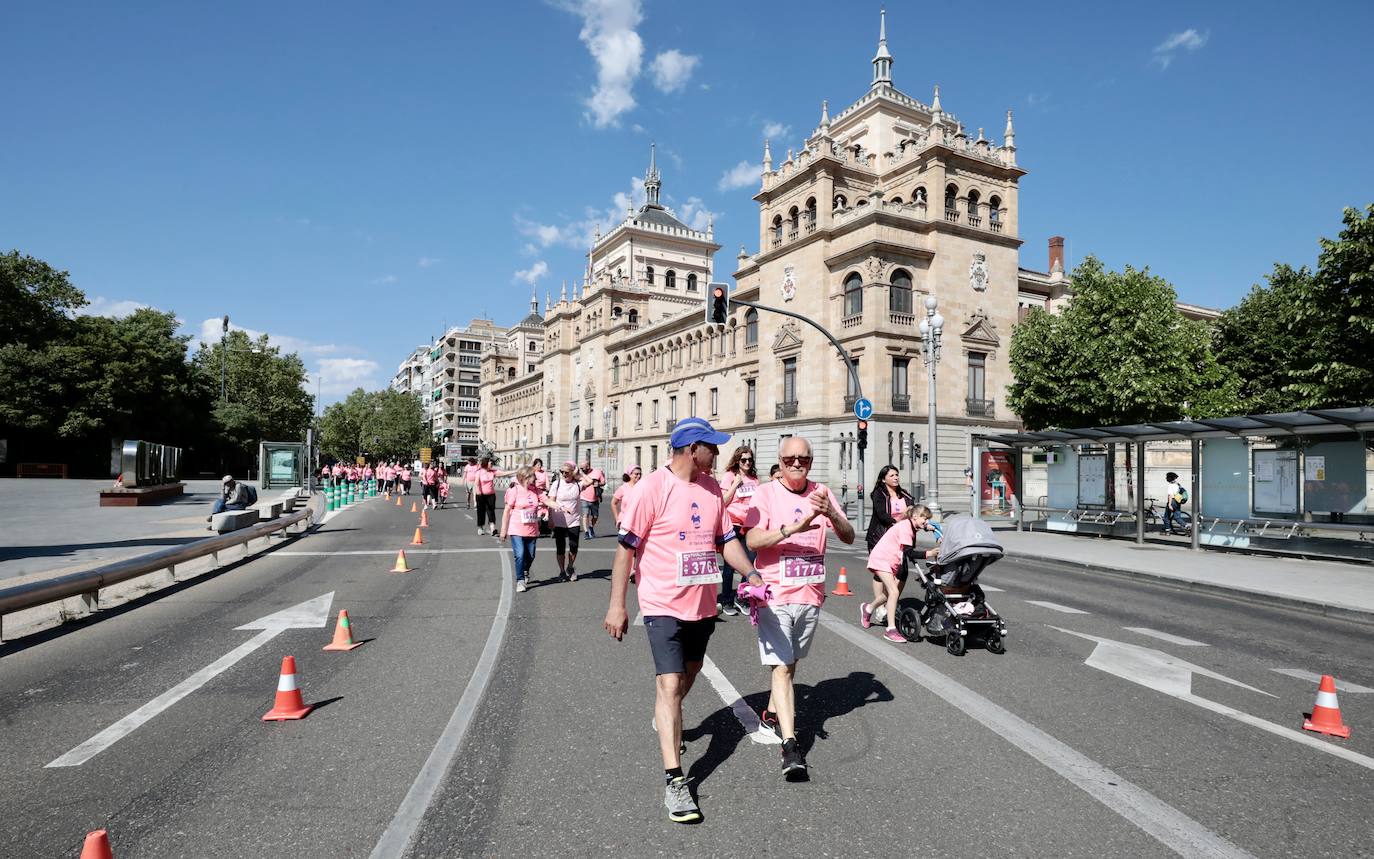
(882, 61)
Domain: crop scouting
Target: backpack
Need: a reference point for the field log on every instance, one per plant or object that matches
(252, 494)
(1182, 495)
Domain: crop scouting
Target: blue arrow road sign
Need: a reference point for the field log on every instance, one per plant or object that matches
(863, 409)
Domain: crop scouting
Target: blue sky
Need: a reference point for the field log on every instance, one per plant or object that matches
(349, 177)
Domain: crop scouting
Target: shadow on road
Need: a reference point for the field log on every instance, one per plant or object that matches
(13, 553)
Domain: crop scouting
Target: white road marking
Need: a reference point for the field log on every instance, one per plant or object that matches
(639, 619)
(1341, 685)
(290, 553)
(1054, 606)
(1156, 670)
(732, 698)
(309, 614)
(1164, 636)
(991, 589)
(1159, 820)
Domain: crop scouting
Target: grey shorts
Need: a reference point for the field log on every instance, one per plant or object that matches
(785, 632)
(591, 508)
(674, 643)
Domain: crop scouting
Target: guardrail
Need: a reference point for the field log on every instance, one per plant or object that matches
(87, 584)
(1278, 528)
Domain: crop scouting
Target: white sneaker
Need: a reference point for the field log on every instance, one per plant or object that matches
(520, 586)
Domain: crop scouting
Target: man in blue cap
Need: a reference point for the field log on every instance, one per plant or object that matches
(671, 530)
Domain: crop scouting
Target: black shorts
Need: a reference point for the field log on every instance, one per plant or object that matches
(675, 643)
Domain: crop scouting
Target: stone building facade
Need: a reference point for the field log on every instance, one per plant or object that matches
(445, 376)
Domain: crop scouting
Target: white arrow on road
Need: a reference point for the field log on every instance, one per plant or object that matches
(311, 614)
(1157, 670)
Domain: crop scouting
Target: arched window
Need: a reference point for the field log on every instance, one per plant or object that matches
(751, 327)
(811, 214)
(670, 279)
(919, 196)
(951, 193)
(793, 222)
(973, 204)
(617, 312)
(899, 294)
(649, 275)
(840, 202)
(633, 318)
(896, 201)
(853, 295)
(511, 373)
(691, 282)
(777, 228)
(995, 209)
(862, 202)
(615, 370)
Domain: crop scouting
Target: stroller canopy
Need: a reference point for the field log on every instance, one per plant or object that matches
(965, 537)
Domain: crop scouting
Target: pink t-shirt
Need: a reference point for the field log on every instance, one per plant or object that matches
(470, 473)
(675, 527)
(367, 473)
(523, 506)
(744, 496)
(886, 556)
(795, 567)
(541, 481)
(405, 474)
(430, 477)
(623, 493)
(589, 494)
(486, 481)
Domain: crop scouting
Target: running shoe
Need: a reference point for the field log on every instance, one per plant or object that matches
(768, 720)
(793, 764)
(520, 586)
(729, 609)
(677, 798)
(894, 636)
(572, 574)
(741, 605)
(865, 615)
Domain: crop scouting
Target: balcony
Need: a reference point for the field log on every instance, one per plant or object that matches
(786, 410)
(951, 216)
(777, 241)
(901, 402)
(978, 408)
(904, 320)
(975, 221)
(811, 226)
(749, 416)
(792, 235)
(852, 321)
(995, 226)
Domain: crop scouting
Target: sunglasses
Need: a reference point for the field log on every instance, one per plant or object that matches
(746, 459)
(796, 460)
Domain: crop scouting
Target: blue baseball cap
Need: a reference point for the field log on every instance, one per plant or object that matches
(691, 430)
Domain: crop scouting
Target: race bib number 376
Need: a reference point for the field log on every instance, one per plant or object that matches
(697, 568)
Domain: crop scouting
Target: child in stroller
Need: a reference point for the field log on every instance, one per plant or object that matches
(954, 604)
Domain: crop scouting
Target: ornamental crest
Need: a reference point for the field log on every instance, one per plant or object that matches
(875, 269)
(978, 272)
(789, 284)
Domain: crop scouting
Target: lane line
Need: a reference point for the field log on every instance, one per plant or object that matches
(991, 589)
(127, 725)
(1164, 636)
(1054, 606)
(1151, 815)
(1293, 734)
(293, 553)
(401, 831)
(732, 698)
(1312, 676)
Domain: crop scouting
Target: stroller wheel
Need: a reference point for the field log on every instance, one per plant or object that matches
(995, 644)
(909, 623)
(955, 643)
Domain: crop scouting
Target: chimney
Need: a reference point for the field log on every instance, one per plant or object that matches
(1056, 253)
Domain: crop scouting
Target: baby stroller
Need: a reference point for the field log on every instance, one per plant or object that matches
(954, 605)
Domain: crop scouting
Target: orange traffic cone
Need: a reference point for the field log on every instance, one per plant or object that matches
(418, 541)
(842, 586)
(343, 634)
(398, 499)
(97, 846)
(400, 563)
(289, 704)
(1326, 713)
(424, 518)
(414, 508)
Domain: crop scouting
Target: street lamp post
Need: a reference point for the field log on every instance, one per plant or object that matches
(223, 359)
(931, 329)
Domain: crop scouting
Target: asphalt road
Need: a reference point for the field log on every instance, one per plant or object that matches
(1120, 743)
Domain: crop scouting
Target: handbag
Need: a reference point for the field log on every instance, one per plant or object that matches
(545, 528)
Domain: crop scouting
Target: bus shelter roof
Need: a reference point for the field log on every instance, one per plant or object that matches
(1300, 423)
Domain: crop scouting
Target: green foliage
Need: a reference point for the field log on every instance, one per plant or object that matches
(1256, 339)
(382, 424)
(264, 391)
(36, 300)
(1120, 353)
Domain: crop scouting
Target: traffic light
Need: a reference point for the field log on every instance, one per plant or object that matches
(863, 435)
(717, 304)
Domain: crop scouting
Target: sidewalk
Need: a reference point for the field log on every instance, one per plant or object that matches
(1328, 587)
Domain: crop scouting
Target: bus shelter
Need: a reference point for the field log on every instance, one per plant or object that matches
(1248, 477)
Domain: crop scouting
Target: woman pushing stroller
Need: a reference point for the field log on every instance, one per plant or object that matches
(886, 562)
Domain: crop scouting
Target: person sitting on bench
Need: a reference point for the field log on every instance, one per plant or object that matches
(232, 496)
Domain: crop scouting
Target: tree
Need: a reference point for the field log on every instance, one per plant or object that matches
(1256, 340)
(264, 393)
(36, 300)
(1120, 353)
(383, 424)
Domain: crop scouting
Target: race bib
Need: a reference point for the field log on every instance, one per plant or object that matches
(697, 568)
(529, 515)
(746, 491)
(803, 569)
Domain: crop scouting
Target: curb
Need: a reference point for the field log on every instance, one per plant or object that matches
(1338, 612)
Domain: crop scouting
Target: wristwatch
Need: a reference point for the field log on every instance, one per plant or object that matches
(783, 530)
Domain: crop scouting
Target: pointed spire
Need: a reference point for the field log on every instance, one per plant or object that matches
(767, 157)
(935, 105)
(980, 139)
(548, 302)
(630, 206)
(563, 294)
(825, 113)
(1009, 134)
(651, 180)
(534, 300)
(882, 61)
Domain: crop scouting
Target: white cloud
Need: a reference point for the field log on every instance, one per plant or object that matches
(694, 214)
(100, 306)
(1188, 40)
(210, 334)
(742, 175)
(384, 279)
(532, 274)
(776, 130)
(338, 377)
(672, 69)
(608, 31)
(529, 250)
(426, 262)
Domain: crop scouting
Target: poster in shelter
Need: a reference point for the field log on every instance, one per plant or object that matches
(1092, 480)
(1274, 481)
